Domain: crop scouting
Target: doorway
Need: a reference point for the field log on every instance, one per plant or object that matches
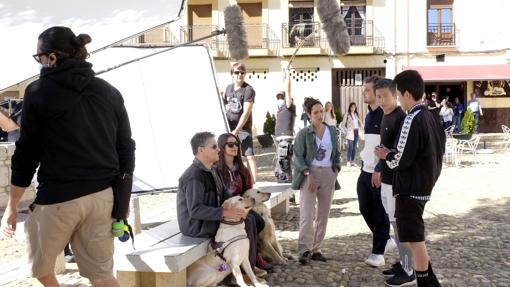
(451, 89)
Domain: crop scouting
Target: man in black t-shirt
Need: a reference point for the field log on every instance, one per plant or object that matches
(239, 98)
(400, 273)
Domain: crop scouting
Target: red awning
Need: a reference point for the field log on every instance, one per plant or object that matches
(462, 73)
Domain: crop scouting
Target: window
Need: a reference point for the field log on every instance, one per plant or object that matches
(440, 26)
(354, 17)
(302, 18)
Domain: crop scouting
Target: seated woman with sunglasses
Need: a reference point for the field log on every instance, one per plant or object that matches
(237, 178)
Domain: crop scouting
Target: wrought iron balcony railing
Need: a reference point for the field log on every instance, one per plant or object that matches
(361, 32)
(192, 32)
(292, 35)
(441, 35)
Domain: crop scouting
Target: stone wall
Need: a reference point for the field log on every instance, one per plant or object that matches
(6, 152)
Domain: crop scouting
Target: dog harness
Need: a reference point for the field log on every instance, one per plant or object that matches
(219, 247)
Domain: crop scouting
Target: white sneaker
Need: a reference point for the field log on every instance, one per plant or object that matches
(390, 245)
(375, 260)
(348, 164)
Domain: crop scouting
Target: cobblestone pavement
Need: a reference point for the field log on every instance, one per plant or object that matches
(467, 223)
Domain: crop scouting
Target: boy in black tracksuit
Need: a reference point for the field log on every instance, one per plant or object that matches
(417, 163)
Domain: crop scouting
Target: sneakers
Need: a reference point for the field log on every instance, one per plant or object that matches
(395, 269)
(262, 264)
(401, 280)
(305, 257)
(317, 256)
(348, 164)
(390, 245)
(375, 260)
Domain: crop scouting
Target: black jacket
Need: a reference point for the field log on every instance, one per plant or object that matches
(75, 126)
(418, 159)
(199, 200)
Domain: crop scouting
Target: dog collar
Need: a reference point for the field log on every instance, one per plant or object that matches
(232, 222)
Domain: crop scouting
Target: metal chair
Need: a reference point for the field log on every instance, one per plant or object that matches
(506, 132)
(451, 151)
(449, 131)
(469, 146)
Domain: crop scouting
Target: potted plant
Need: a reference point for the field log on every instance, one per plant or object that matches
(467, 126)
(266, 140)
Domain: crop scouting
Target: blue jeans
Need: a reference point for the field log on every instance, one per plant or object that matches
(351, 152)
(456, 121)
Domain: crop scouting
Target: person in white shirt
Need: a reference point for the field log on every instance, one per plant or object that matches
(353, 125)
(447, 114)
(476, 108)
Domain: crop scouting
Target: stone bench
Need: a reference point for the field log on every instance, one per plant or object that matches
(163, 253)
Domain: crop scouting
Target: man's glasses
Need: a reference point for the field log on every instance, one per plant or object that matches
(232, 144)
(239, 72)
(214, 146)
(37, 57)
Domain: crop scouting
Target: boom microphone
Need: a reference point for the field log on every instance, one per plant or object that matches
(334, 26)
(236, 35)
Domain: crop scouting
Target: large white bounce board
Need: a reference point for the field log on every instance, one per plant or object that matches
(21, 22)
(169, 97)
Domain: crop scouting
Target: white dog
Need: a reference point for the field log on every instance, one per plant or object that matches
(267, 245)
(217, 264)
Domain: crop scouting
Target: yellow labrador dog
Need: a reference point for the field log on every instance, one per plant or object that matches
(229, 257)
(267, 245)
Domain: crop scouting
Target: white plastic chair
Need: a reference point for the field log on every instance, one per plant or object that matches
(506, 132)
(469, 146)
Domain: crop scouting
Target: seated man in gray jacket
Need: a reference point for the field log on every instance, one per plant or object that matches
(201, 191)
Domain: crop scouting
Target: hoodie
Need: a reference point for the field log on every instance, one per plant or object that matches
(75, 127)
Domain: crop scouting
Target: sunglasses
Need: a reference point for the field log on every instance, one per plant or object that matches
(232, 144)
(212, 147)
(239, 72)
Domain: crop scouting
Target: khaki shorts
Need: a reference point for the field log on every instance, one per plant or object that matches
(86, 222)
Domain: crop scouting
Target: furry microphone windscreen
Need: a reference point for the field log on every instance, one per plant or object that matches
(334, 25)
(236, 35)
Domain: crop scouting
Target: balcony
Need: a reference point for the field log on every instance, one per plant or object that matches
(308, 34)
(261, 39)
(361, 33)
(190, 33)
(441, 35)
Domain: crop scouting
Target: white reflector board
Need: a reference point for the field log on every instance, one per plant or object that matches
(169, 97)
(21, 22)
